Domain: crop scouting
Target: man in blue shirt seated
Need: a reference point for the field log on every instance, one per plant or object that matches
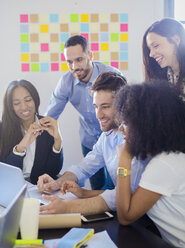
(103, 154)
(74, 86)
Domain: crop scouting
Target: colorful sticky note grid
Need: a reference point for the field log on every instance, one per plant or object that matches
(43, 36)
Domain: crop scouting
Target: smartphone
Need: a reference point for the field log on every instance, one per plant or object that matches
(96, 217)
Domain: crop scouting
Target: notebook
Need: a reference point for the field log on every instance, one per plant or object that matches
(11, 181)
(9, 222)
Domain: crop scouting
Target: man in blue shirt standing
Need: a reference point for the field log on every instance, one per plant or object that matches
(74, 86)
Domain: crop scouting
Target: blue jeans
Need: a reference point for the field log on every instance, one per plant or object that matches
(101, 180)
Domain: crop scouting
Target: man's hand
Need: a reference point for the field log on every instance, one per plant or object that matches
(70, 186)
(56, 205)
(47, 183)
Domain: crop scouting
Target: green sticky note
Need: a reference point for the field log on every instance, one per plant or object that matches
(62, 47)
(24, 38)
(35, 67)
(114, 37)
(74, 17)
(106, 63)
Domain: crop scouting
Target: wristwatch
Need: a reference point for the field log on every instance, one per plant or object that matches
(121, 171)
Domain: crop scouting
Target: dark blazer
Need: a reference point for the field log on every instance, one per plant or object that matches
(46, 161)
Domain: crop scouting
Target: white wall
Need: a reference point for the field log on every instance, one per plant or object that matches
(141, 14)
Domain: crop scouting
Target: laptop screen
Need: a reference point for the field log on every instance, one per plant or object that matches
(11, 181)
(9, 224)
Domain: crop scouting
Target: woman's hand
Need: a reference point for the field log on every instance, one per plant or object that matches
(33, 132)
(51, 126)
(70, 186)
(124, 156)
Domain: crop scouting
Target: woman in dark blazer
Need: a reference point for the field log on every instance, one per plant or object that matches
(28, 140)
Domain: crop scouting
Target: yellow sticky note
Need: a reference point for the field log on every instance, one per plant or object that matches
(124, 37)
(24, 57)
(104, 46)
(64, 67)
(44, 28)
(84, 17)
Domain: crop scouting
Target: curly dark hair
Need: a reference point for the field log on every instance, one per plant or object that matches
(155, 115)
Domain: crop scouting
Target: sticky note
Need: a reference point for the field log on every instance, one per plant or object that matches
(25, 57)
(24, 38)
(114, 36)
(123, 66)
(104, 46)
(54, 18)
(24, 47)
(25, 67)
(123, 18)
(44, 47)
(54, 67)
(124, 27)
(34, 28)
(124, 56)
(64, 18)
(61, 47)
(44, 37)
(23, 18)
(86, 35)
(44, 18)
(35, 67)
(124, 37)
(74, 18)
(44, 28)
(44, 67)
(94, 46)
(84, 27)
(84, 18)
(104, 56)
(54, 27)
(115, 64)
(62, 57)
(64, 67)
(24, 28)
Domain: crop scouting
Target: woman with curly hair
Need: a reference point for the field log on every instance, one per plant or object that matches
(164, 52)
(27, 140)
(153, 117)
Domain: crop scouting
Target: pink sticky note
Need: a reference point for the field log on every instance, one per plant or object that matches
(62, 57)
(44, 47)
(54, 67)
(124, 27)
(23, 18)
(25, 67)
(115, 64)
(95, 46)
(86, 35)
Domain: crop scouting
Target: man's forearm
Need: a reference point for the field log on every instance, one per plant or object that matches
(67, 176)
(87, 206)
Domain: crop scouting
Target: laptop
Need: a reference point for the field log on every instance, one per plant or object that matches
(11, 181)
(9, 222)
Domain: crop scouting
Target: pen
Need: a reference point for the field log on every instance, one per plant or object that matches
(29, 242)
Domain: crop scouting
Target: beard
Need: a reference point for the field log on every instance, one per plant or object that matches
(84, 72)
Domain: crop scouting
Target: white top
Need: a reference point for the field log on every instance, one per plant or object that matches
(165, 174)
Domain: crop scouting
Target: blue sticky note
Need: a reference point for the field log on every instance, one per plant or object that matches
(44, 67)
(75, 237)
(54, 18)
